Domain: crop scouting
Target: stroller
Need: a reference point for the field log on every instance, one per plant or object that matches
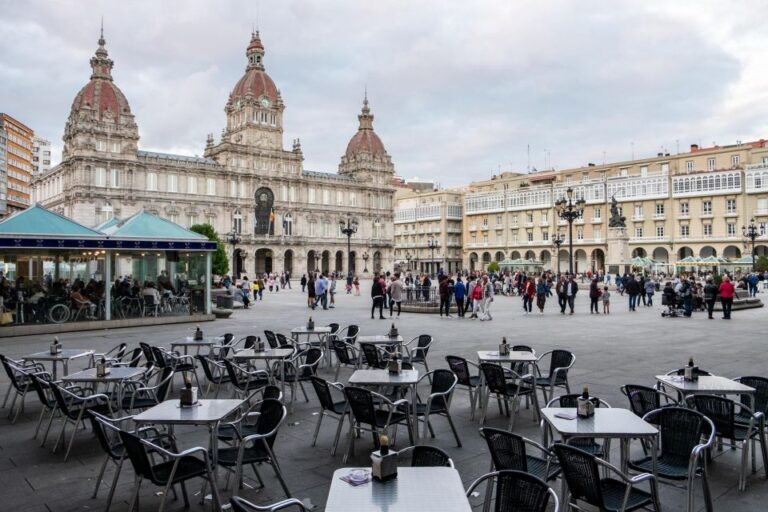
(674, 305)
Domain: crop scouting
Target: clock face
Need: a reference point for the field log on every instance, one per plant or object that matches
(263, 197)
(265, 102)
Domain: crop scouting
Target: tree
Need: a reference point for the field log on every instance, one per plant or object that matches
(493, 266)
(761, 264)
(219, 260)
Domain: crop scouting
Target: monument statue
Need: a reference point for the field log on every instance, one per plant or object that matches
(616, 220)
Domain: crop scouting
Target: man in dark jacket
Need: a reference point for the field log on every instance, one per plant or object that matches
(570, 289)
(377, 296)
(710, 296)
(632, 287)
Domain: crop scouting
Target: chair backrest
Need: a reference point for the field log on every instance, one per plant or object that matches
(520, 367)
(517, 491)
(424, 343)
(334, 330)
(680, 430)
(227, 338)
(443, 381)
(761, 392)
(572, 400)
(460, 368)
(62, 402)
(102, 436)
(250, 341)
(241, 505)
(429, 456)
(205, 365)
(12, 371)
(560, 359)
(312, 359)
(323, 391)
(271, 338)
(282, 340)
(273, 412)
(234, 376)
(371, 355)
(166, 377)
(120, 351)
(360, 402)
(342, 353)
(494, 377)
(149, 301)
(352, 332)
(41, 383)
(137, 454)
(719, 409)
(507, 449)
(642, 399)
(135, 357)
(159, 357)
(271, 391)
(581, 473)
(146, 349)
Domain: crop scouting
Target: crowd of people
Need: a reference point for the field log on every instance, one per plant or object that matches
(248, 292)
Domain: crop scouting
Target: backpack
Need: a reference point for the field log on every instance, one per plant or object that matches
(477, 292)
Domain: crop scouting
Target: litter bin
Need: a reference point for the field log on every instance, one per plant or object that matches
(225, 301)
(197, 298)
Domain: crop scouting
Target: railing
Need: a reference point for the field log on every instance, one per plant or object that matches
(423, 296)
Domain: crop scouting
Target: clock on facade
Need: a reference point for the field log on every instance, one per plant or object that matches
(265, 102)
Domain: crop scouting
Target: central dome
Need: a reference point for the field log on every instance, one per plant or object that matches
(256, 83)
(365, 141)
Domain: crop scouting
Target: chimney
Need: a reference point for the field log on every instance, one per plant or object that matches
(590, 164)
(659, 154)
(694, 148)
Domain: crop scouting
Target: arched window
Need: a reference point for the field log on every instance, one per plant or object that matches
(237, 221)
(287, 224)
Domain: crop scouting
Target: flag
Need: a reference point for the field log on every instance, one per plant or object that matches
(272, 216)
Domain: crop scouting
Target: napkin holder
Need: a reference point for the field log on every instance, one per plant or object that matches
(198, 335)
(188, 397)
(691, 373)
(585, 408)
(394, 366)
(384, 467)
(102, 369)
(260, 346)
(393, 333)
(311, 325)
(503, 349)
(55, 348)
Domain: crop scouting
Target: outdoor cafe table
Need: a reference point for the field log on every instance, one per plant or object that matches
(191, 342)
(514, 356)
(430, 489)
(322, 333)
(607, 423)
(280, 354)
(707, 384)
(116, 376)
(383, 378)
(206, 412)
(65, 356)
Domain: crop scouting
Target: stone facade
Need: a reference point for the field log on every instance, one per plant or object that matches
(689, 204)
(245, 183)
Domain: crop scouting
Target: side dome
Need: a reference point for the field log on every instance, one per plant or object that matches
(255, 83)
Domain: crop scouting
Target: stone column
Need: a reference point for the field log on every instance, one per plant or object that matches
(617, 254)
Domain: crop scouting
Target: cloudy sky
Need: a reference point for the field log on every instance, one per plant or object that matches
(459, 89)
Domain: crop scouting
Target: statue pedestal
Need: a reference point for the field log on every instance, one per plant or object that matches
(618, 250)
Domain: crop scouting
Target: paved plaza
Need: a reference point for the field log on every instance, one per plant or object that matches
(611, 350)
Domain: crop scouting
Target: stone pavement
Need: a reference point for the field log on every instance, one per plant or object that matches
(611, 350)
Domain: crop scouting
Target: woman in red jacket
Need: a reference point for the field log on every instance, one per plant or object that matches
(529, 291)
(727, 292)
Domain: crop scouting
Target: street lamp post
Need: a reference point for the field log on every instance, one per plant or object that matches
(365, 261)
(432, 244)
(558, 240)
(348, 228)
(750, 233)
(317, 260)
(234, 239)
(408, 259)
(570, 210)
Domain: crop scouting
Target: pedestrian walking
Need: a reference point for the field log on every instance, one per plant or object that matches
(445, 296)
(476, 294)
(488, 293)
(395, 294)
(311, 292)
(332, 291)
(594, 296)
(632, 287)
(710, 296)
(571, 289)
(606, 301)
(356, 283)
(349, 284)
(377, 297)
(528, 292)
(560, 291)
(459, 293)
(542, 289)
(303, 282)
(650, 290)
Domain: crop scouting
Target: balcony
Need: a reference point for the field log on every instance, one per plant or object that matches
(473, 228)
(544, 223)
(684, 215)
(638, 218)
(529, 224)
(579, 221)
(597, 220)
(499, 226)
(731, 214)
(760, 212)
(706, 215)
(484, 227)
(659, 216)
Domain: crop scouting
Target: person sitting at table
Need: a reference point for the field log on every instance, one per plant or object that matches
(82, 302)
(149, 289)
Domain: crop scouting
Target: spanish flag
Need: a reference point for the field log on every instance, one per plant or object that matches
(271, 229)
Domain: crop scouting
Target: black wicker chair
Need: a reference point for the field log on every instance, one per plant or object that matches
(177, 468)
(245, 381)
(374, 357)
(460, 367)
(271, 339)
(681, 453)
(329, 406)
(41, 384)
(509, 452)
(423, 456)
(439, 400)
(183, 364)
(347, 355)
(300, 369)
(582, 474)
(560, 361)
(73, 408)
(376, 411)
(417, 354)
(760, 384)
(139, 395)
(508, 386)
(241, 505)
(258, 447)
(722, 412)
(517, 491)
(644, 399)
(351, 334)
(215, 373)
(20, 376)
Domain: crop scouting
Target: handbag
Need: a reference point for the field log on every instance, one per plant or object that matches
(6, 318)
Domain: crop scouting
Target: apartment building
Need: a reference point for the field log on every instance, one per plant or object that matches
(18, 163)
(41, 155)
(688, 204)
(428, 233)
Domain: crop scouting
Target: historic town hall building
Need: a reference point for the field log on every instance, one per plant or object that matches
(287, 218)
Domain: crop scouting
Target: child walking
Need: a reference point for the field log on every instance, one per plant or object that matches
(606, 301)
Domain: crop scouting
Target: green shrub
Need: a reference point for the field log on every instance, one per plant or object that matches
(219, 260)
(493, 266)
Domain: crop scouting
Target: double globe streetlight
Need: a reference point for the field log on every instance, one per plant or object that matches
(569, 210)
(348, 228)
(751, 233)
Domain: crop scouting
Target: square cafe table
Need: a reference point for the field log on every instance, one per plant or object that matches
(607, 423)
(267, 355)
(115, 377)
(65, 356)
(191, 342)
(322, 333)
(434, 489)
(383, 378)
(707, 384)
(514, 356)
(207, 412)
